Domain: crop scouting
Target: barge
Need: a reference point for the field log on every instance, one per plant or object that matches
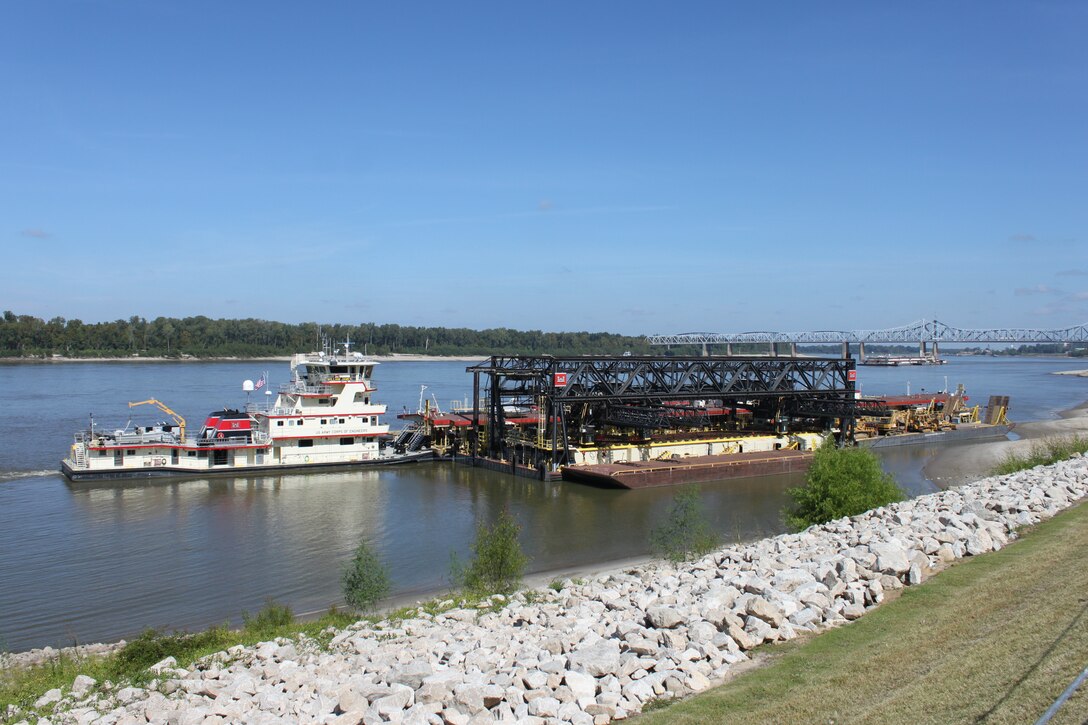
(922, 419)
(696, 469)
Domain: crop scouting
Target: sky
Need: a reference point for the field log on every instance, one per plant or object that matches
(631, 167)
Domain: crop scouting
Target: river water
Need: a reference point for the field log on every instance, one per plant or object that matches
(99, 562)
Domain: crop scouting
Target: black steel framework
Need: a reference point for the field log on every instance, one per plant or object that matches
(566, 393)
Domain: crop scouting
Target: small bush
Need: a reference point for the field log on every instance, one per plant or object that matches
(153, 646)
(686, 533)
(1050, 450)
(841, 482)
(497, 561)
(273, 616)
(365, 580)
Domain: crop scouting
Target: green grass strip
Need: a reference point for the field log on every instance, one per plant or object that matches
(994, 639)
(1042, 453)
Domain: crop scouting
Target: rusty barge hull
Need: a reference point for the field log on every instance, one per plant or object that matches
(695, 469)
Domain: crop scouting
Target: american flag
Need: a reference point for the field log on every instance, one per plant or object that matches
(259, 384)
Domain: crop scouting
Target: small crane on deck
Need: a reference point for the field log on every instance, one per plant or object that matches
(162, 406)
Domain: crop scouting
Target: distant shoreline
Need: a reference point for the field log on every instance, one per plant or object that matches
(393, 357)
(276, 358)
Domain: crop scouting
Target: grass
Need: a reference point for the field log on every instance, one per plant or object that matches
(995, 639)
(1044, 453)
(22, 686)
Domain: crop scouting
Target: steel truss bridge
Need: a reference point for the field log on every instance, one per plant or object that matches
(568, 393)
(921, 331)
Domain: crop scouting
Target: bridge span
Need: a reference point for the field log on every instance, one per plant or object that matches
(921, 332)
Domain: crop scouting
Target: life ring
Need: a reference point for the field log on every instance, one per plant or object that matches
(219, 435)
(307, 460)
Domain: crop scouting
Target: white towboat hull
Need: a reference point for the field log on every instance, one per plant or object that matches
(74, 474)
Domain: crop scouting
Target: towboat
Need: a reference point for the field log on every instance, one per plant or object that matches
(325, 417)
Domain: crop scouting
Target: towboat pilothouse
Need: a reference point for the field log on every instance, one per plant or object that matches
(324, 417)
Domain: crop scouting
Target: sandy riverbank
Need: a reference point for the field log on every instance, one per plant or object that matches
(960, 464)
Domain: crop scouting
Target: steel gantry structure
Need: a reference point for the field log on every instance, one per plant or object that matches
(566, 394)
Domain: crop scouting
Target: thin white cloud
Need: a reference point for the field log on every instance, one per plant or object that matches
(36, 233)
(550, 211)
(1039, 289)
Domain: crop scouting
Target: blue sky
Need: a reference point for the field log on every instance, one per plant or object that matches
(624, 166)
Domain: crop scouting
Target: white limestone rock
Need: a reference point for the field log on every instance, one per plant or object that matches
(602, 658)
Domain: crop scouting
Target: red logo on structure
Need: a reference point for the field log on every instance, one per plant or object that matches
(560, 380)
(852, 375)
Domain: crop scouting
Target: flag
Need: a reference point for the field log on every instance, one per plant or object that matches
(259, 384)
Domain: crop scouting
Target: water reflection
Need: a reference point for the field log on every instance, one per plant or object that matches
(186, 554)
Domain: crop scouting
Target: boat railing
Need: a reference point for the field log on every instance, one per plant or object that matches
(255, 438)
(316, 389)
(253, 408)
(87, 437)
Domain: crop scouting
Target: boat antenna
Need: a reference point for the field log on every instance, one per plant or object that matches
(421, 389)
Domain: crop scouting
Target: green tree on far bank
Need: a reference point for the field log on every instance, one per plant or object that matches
(841, 482)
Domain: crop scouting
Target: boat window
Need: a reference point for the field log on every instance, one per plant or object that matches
(102, 453)
(366, 371)
(324, 421)
(130, 453)
(300, 421)
(279, 422)
(368, 400)
(322, 401)
(346, 441)
(373, 420)
(191, 454)
(305, 443)
(358, 397)
(341, 421)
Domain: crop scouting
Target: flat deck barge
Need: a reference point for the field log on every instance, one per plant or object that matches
(693, 469)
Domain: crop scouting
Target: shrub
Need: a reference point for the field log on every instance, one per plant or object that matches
(841, 482)
(270, 618)
(365, 580)
(153, 646)
(497, 560)
(685, 534)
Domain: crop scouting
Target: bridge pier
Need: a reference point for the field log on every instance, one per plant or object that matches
(861, 352)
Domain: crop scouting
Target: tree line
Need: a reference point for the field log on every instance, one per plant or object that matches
(31, 337)
(25, 336)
